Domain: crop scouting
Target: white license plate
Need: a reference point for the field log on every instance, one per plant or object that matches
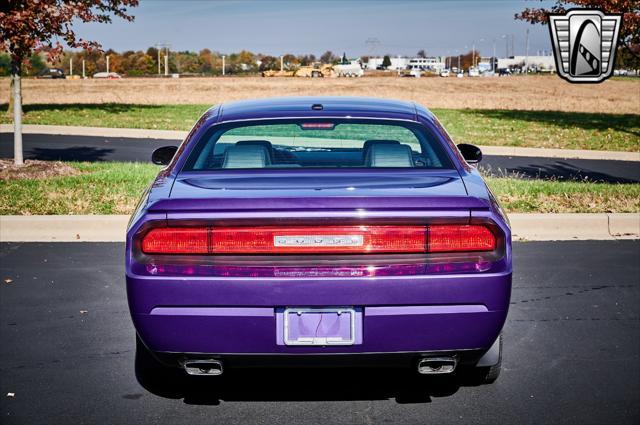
(319, 326)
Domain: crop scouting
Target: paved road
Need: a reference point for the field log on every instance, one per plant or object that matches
(572, 352)
(85, 148)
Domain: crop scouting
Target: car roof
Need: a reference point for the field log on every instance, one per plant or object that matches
(307, 107)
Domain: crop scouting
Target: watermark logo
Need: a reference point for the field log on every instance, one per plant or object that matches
(584, 44)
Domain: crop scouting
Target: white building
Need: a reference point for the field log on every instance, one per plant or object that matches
(540, 63)
(427, 64)
(397, 63)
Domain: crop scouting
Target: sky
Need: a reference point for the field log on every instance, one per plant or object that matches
(357, 27)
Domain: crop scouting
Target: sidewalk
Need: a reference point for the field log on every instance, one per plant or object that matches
(137, 133)
(111, 228)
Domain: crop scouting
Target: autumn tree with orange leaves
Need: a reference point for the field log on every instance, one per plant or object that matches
(629, 36)
(28, 26)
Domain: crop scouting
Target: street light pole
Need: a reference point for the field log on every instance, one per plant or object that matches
(223, 64)
(107, 65)
(281, 63)
(526, 58)
(493, 58)
(473, 55)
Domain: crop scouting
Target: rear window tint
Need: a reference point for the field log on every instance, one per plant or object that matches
(304, 145)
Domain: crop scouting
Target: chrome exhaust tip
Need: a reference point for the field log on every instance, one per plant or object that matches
(203, 367)
(437, 365)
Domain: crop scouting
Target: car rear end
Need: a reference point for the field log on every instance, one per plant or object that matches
(318, 240)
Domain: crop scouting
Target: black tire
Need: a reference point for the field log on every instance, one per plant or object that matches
(154, 376)
(488, 375)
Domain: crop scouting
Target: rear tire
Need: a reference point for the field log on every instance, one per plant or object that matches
(153, 375)
(487, 375)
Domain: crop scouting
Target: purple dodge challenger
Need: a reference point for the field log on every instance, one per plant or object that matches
(320, 230)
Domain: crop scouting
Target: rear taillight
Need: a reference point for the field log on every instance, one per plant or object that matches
(448, 238)
(318, 240)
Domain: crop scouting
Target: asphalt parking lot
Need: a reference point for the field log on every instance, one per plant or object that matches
(572, 351)
(91, 148)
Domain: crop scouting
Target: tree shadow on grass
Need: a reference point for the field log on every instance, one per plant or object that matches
(627, 123)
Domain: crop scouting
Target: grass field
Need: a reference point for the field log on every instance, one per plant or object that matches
(546, 129)
(542, 93)
(114, 188)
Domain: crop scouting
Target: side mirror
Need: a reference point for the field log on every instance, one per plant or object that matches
(163, 155)
(472, 154)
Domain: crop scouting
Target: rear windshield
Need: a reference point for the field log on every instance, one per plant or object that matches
(318, 145)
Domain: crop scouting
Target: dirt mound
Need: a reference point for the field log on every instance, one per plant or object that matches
(35, 170)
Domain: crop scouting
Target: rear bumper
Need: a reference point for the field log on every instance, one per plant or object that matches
(255, 331)
(398, 315)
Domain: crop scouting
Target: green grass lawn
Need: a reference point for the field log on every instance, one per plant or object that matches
(545, 129)
(114, 188)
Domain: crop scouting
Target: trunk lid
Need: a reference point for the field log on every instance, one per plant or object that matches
(319, 190)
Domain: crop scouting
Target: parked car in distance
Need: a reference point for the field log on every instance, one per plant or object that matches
(474, 72)
(53, 73)
(444, 73)
(504, 72)
(321, 231)
(107, 75)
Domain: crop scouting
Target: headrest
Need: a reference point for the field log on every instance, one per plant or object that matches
(267, 145)
(389, 155)
(246, 156)
(367, 145)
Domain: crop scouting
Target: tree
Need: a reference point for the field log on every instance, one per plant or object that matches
(386, 62)
(629, 36)
(327, 57)
(421, 53)
(628, 59)
(28, 26)
(268, 63)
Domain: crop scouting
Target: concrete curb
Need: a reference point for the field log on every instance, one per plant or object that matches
(134, 133)
(112, 228)
(137, 133)
(550, 227)
(561, 153)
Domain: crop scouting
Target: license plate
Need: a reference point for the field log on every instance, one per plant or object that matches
(319, 326)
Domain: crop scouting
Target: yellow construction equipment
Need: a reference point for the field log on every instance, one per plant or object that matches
(317, 70)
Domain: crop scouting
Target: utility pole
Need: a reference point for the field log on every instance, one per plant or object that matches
(526, 58)
(506, 45)
(70, 67)
(513, 40)
(223, 65)
(281, 63)
(494, 59)
(83, 75)
(458, 62)
(159, 46)
(107, 65)
(166, 64)
(473, 55)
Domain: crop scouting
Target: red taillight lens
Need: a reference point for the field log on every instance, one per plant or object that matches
(318, 240)
(449, 238)
(177, 240)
